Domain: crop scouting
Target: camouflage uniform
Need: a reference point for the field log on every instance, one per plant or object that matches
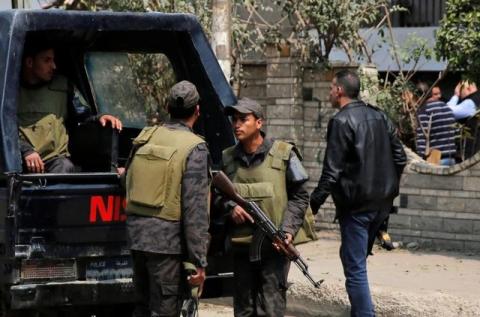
(260, 287)
(159, 246)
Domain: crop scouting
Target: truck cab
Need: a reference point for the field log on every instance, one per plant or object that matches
(62, 236)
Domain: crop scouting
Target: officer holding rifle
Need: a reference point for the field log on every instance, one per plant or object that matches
(270, 173)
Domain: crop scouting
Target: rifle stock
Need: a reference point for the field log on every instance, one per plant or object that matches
(223, 183)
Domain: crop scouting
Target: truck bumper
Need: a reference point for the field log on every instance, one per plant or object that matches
(30, 296)
(91, 293)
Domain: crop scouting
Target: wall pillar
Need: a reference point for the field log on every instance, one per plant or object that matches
(284, 104)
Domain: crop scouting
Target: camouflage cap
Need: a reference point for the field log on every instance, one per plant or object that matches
(183, 95)
(245, 106)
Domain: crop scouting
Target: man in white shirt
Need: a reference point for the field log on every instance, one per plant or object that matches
(463, 103)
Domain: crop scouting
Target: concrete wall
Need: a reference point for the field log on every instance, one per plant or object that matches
(5, 5)
(439, 207)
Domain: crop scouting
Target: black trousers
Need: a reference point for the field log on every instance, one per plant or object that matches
(158, 284)
(59, 164)
(260, 287)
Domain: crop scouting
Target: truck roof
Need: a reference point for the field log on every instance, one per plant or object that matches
(177, 35)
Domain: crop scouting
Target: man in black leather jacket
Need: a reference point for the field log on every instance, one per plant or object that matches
(362, 167)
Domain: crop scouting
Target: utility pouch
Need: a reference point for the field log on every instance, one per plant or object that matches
(48, 136)
(150, 175)
(307, 231)
(262, 193)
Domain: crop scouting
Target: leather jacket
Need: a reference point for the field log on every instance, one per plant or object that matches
(363, 161)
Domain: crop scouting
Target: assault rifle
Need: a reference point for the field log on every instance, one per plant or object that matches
(226, 187)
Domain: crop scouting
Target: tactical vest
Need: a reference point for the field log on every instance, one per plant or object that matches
(154, 176)
(266, 185)
(41, 118)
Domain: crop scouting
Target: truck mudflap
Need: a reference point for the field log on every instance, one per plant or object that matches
(75, 293)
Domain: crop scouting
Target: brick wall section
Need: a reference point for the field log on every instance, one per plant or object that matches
(439, 208)
(318, 111)
(284, 106)
(440, 211)
(254, 83)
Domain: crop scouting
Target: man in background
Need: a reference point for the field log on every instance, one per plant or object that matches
(436, 129)
(361, 170)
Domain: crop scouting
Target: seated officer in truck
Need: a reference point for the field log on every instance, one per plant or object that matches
(46, 101)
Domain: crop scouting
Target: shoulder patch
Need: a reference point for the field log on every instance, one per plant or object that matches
(281, 153)
(281, 150)
(145, 135)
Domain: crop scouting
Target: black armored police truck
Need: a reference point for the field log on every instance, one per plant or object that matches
(62, 236)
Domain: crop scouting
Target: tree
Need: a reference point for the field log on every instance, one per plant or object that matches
(458, 38)
(221, 34)
(200, 8)
(153, 73)
(311, 27)
(320, 25)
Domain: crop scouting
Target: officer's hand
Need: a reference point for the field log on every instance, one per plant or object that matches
(197, 279)
(239, 215)
(114, 121)
(289, 238)
(34, 163)
(287, 241)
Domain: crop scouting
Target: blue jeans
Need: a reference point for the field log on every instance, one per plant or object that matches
(447, 162)
(354, 230)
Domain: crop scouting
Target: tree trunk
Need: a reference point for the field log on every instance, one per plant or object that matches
(221, 34)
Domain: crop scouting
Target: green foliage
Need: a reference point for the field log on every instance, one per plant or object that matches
(200, 8)
(458, 38)
(394, 93)
(391, 97)
(311, 27)
(319, 25)
(413, 49)
(153, 73)
(154, 76)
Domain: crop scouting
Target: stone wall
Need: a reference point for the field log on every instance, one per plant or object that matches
(439, 207)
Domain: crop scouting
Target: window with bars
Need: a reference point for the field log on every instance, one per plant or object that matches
(419, 13)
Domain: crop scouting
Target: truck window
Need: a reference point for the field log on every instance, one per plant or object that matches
(133, 87)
